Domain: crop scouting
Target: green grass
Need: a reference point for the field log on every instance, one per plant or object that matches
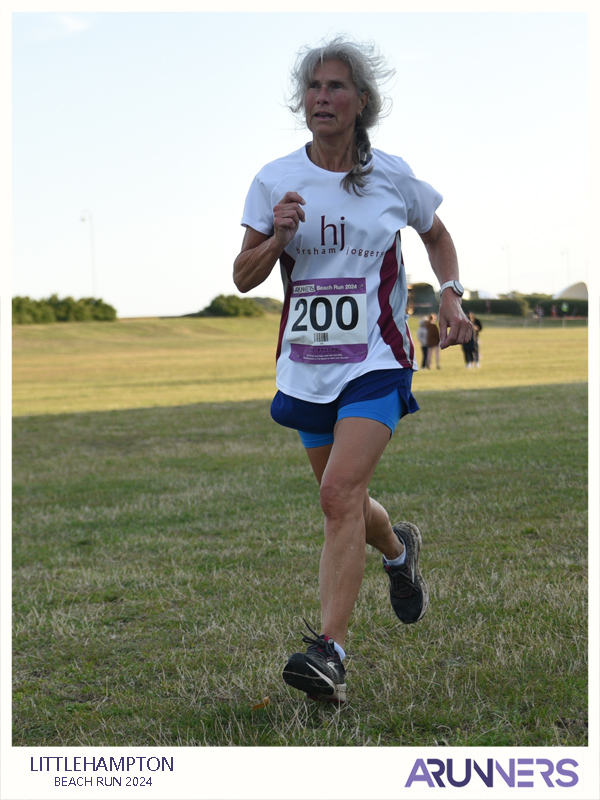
(72, 367)
(164, 557)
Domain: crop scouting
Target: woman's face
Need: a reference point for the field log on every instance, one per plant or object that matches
(331, 102)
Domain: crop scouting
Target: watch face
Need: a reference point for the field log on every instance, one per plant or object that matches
(458, 287)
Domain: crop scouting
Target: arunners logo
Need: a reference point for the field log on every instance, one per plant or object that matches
(308, 288)
(511, 773)
(332, 243)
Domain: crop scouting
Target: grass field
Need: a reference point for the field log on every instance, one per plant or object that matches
(144, 363)
(164, 557)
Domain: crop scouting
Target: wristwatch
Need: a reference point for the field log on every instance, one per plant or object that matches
(454, 285)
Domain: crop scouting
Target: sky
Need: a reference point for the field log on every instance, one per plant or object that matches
(135, 137)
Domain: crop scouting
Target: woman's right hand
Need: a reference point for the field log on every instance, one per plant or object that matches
(260, 252)
(287, 216)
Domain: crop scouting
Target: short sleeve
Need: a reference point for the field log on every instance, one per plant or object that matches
(422, 201)
(258, 212)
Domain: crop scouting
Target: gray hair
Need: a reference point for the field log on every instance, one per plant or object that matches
(368, 70)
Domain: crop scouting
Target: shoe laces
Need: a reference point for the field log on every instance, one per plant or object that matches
(401, 580)
(320, 643)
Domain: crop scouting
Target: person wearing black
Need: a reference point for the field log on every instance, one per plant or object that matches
(477, 328)
(471, 348)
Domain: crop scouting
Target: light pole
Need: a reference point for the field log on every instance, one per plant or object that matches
(90, 219)
(506, 247)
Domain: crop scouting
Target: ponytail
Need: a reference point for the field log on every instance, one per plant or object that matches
(356, 179)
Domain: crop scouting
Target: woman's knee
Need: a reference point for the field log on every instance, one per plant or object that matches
(339, 500)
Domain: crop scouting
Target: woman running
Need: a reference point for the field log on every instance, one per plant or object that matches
(331, 214)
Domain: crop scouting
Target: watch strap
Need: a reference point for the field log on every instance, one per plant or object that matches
(450, 285)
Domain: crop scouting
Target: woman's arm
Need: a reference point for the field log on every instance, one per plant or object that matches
(256, 260)
(260, 252)
(444, 262)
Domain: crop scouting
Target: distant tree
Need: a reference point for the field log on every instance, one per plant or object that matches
(421, 298)
(232, 306)
(532, 299)
(26, 311)
(269, 304)
(544, 302)
(504, 306)
(101, 311)
(70, 310)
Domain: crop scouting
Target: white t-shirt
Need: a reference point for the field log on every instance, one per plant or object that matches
(343, 276)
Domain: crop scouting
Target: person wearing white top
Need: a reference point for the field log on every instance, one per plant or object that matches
(331, 214)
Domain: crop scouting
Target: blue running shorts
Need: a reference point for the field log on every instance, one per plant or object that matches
(383, 395)
(388, 409)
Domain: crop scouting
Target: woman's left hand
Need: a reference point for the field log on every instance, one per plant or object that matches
(455, 327)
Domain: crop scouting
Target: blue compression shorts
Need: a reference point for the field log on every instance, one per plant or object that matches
(383, 395)
(388, 409)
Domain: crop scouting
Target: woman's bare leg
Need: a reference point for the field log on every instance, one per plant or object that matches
(344, 471)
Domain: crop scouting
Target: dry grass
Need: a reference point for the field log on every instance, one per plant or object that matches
(164, 558)
(76, 367)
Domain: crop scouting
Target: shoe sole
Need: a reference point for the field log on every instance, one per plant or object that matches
(336, 701)
(315, 684)
(406, 530)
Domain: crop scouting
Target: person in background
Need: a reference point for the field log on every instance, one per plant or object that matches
(423, 337)
(433, 341)
(468, 349)
(477, 328)
(330, 214)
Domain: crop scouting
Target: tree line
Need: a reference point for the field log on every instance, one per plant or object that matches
(230, 305)
(422, 299)
(26, 311)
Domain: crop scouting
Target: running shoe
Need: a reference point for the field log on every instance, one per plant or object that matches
(409, 594)
(319, 672)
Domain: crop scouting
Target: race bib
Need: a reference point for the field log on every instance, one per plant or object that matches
(327, 321)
